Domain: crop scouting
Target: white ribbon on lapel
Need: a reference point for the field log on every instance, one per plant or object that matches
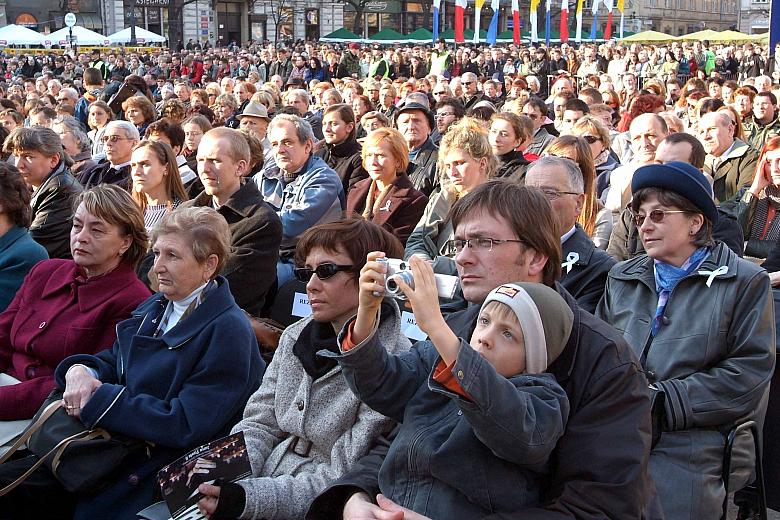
(571, 259)
(711, 275)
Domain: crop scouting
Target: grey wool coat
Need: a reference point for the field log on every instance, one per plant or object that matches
(302, 435)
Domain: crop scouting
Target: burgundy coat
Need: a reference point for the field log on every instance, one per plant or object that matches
(56, 313)
(406, 206)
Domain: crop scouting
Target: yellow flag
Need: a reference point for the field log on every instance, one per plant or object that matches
(620, 5)
(479, 3)
(534, 5)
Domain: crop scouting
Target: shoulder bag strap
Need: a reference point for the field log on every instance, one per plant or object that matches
(34, 427)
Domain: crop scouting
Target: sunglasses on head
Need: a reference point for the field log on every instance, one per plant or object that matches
(323, 271)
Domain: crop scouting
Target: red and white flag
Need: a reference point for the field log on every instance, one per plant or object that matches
(564, 30)
(460, 10)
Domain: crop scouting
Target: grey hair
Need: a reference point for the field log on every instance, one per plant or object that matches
(302, 127)
(576, 181)
(71, 93)
(131, 132)
(298, 92)
(72, 125)
(532, 79)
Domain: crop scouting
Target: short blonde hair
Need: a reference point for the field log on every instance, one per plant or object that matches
(469, 135)
(203, 227)
(239, 148)
(594, 125)
(398, 147)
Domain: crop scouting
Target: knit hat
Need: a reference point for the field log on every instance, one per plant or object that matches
(682, 178)
(544, 316)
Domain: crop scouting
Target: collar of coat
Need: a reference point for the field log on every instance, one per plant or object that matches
(244, 202)
(641, 267)
(143, 319)
(737, 149)
(88, 292)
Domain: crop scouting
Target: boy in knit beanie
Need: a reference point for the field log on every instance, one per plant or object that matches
(479, 419)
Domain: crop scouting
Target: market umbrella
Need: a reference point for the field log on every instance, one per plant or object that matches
(341, 35)
(19, 35)
(83, 37)
(421, 35)
(141, 36)
(706, 34)
(648, 37)
(388, 35)
(734, 36)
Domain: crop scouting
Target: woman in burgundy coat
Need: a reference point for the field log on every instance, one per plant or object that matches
(67, 307)
(387, 197)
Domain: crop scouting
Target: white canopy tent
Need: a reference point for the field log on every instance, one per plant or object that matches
(141, 36)
(83, 37)
(19, 35)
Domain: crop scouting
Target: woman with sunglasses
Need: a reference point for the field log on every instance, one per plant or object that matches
(597, 135)
(303, 427)
(700, 321)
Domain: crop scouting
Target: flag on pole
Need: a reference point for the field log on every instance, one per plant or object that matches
(547, 23)
(436, 5)
(516, 21)
(460, 9)
(595, 25)
(534, 21)
(492, 34)
(620, 7)
(608, 30)
(564, 29)
(477, 14)
(578, 34)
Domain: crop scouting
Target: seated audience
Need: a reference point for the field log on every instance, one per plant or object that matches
(342, 151)
(118, 140)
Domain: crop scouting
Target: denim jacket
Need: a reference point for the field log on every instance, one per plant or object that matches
(316, 196)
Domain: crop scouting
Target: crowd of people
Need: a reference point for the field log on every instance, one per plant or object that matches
(610, 213)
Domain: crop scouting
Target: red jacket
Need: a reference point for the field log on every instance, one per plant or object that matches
(58, 312)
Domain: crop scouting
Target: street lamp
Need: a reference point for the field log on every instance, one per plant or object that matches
(133, 41)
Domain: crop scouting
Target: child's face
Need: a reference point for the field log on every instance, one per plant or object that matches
(499, 339)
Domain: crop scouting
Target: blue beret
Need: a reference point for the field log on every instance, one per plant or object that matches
(682, 178)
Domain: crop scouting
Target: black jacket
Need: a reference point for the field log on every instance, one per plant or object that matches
(513, 165)
(52, 211)
(422, 169)
(584, 270)
(256, 234)
(103, 173)
(346, 160)
(599, 467)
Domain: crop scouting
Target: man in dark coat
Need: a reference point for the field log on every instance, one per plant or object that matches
(120, 137)
(584, 268)
(255, 228)
(415, 122)
(599, 467)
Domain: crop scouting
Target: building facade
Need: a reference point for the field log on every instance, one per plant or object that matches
(754, 16)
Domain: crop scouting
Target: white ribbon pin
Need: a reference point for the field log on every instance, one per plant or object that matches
(386, 207)
(711, 275)
(571, 259)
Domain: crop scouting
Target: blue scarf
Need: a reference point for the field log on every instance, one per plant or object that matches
(667, 277)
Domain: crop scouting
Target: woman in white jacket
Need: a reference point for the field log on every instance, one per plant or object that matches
(303, 427)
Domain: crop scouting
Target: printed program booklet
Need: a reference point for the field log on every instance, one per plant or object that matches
(225, 459)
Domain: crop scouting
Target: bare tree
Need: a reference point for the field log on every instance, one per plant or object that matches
(281, 12)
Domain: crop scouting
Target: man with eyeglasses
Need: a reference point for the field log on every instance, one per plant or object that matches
(508, 233)
(471, 95)
(624, 242)
(118, 141)
(448, 112)
(536, 110)
(584, 267)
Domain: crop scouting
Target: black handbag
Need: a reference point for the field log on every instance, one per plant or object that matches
(82, 459)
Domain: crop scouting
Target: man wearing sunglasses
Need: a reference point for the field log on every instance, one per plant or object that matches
(118, 141)
(471, 95)
(601, 460)
(624, 242)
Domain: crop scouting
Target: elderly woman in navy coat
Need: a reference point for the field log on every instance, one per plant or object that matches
(178, 375)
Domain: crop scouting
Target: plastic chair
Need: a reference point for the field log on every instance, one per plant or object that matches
(759, 482)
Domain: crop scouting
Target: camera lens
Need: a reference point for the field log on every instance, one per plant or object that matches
(392, 287)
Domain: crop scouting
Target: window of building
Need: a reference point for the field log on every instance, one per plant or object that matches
(286, 20)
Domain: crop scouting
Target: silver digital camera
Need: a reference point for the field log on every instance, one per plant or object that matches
(446, 285)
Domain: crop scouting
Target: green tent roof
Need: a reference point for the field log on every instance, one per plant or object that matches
(506, 35)
(340, 35)
(421, 34)
(390, 35)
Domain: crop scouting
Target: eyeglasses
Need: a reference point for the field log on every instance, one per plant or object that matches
(453, 247)
(113, 139)
(553, 194)
(323, 271)
(442, 115)
(591, 138)
(466, 82)
(439, 93)
(532, 116)
(656, 216)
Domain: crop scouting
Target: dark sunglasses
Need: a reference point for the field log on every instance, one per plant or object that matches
(591, 138)
(656, 216)
(323, 271)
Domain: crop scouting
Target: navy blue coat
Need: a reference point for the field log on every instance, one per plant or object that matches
(179, 390)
